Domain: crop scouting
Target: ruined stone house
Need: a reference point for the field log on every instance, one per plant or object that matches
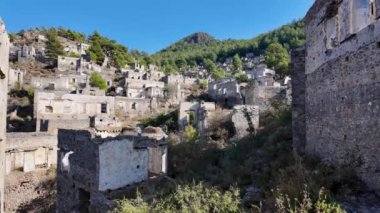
(227, 92)
(335, 83)
(89, 168)
(30, 151)
(57, 109)
(15, 78)
(137, 88)
(26, 54)
(196, 114)
(263, 95)
(4, 70)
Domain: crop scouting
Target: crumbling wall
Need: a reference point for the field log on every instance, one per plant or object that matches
(262, 96)
(28, 151)
(298, 100)
(77, 167)
(342, 99)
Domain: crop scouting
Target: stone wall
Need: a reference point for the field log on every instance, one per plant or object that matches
(68, 63)
(15, 78)
(4, 69)
(298, 100)
(28, 151)
(342, 89)
(89, 168)
(262, 96)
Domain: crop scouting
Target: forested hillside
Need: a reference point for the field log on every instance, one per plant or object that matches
(194, 49)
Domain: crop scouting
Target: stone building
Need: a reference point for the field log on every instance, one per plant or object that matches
(15, 78)
(89, 168)
(261, 73)
(57, 109)
(180, 79)
(26, 54)
(72, 64)
(227, 92)
(137, 88)
(262, 95)
(335, 83)
(29, 151)
(4, 69)
(195, 113)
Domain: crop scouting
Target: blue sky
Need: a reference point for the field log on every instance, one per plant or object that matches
(151, 25)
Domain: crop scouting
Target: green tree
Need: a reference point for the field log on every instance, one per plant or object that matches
(96, 53)
(181, 63)
(277, 56)
(53, 47)
(96, 80)
(237, 63)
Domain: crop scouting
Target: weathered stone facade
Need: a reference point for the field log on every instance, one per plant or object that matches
(4, 69)
(54, 110)
(227, 92)
(28, 151)
(89, 168)
(342, 90)
(245, 119)
(262, 95)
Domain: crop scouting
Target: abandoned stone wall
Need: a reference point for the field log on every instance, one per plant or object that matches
(298, 100)
(77, 168)
(28, 151)
(68, 63)
(262, 96)
(50, 83)
(52, 124)
(342, 89)
(132, 106)
(15, 78)
(4, 69)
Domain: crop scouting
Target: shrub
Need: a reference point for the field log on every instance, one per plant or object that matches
(305, 203)
(96, 80)
(167, 122)
(186, 198)
(191, 134)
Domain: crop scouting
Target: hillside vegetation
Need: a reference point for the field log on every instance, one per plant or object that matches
(194, 49)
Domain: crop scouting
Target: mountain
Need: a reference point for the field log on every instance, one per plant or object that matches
(199, 46)
(198, 38)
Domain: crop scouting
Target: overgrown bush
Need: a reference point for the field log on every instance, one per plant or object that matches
(305, 203)
(186, 198)
(168, 122)
(96, 80)
(191, 134)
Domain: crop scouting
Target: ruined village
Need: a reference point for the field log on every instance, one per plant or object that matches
(82, 136)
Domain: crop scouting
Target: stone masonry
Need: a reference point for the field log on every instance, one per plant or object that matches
(338, 89)
(88, 168)
(4, 69)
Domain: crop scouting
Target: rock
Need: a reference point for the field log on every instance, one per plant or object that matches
(252, 195)
(245, 119)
